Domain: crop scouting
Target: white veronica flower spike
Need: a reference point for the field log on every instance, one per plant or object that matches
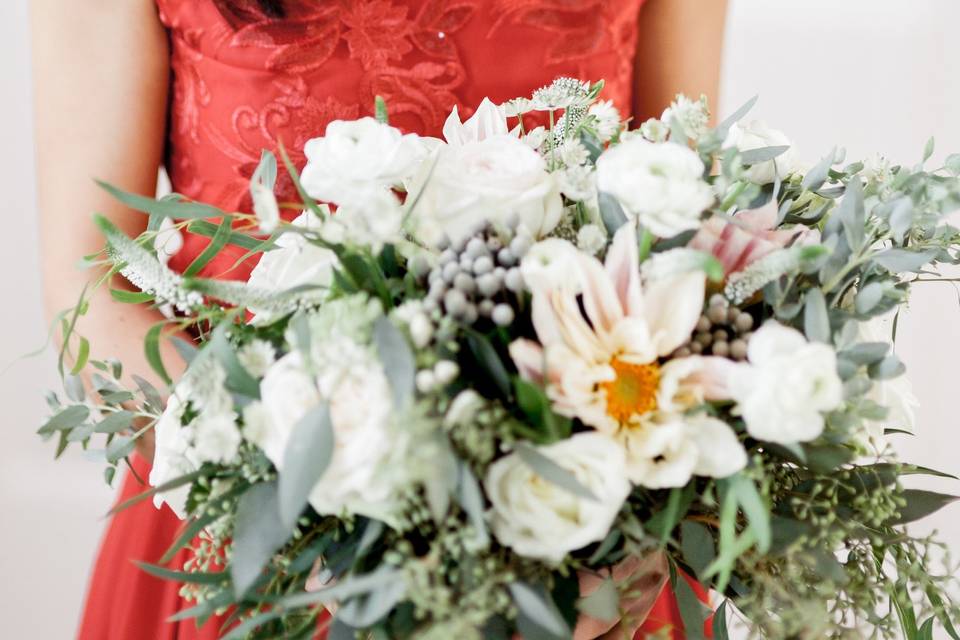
(601, 336)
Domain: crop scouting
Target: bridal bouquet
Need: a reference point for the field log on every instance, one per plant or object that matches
(518, 381)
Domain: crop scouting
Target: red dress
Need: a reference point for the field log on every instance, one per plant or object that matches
(246, 78)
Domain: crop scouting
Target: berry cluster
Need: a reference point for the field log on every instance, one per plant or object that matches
(722, 330)
(478, 277)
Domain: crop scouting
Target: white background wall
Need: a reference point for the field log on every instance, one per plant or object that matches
(876, 75)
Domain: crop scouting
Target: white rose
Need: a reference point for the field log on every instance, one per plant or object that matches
(756, 135)
(170, 458)
(487, 181)
(660, 184)
(787, 386)
(294, 263)
(355, 156)
(538, 519)
(367, 469)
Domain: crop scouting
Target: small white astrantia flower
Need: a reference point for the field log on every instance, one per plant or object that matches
(654, 130)
(541, 520)
(757, 135)
(693, 116)
(659, 184)
(608, 121)
(578, 183)
(572, 153)
(257, 357)
(591, 238)
(787, 386)
(563, 93)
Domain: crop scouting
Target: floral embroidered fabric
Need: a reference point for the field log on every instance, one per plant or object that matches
(244, 80)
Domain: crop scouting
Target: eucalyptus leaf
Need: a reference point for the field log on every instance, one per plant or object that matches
(852, 214)
(68, 418)
(397, 359)
(115, 422)
(73, 385)
(693, 612)
(258, 533)
(603, 603)
(750, 501)
(818, 174)
(816, 322)
(538, 612)
(919, 504)
(119, 448)
(888, 368)
(365, 610)
(696, 543)
(868, 297)
(470, 497)
(552, 472)
(487, 357)
(762, 154)
(611, 212)
(904, 261)
(307, 455)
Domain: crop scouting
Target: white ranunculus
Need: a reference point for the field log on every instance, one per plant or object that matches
(294, 263)
(486, 122)
(487, 181)
(660, 184)
(551, 264)
(366, 471)
(357, 156)
(541, 520)
(756, 135)
(369, 221)
(216, 438)
(787, 386)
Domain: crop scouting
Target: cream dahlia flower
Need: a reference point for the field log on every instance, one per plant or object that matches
(602, 335)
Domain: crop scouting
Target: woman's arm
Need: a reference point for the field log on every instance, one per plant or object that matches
(679, 46)
(101, 74)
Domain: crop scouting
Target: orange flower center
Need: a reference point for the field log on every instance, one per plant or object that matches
(633, 391)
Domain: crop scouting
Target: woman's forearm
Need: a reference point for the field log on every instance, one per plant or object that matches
(679, 50)
(101, 75)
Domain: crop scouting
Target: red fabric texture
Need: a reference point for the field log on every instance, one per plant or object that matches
(244, 81)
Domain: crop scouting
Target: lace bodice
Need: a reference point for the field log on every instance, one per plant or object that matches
(244, 80)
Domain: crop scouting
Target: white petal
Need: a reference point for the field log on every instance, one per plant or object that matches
(672, 307)
(623, 265)
(721, 454)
